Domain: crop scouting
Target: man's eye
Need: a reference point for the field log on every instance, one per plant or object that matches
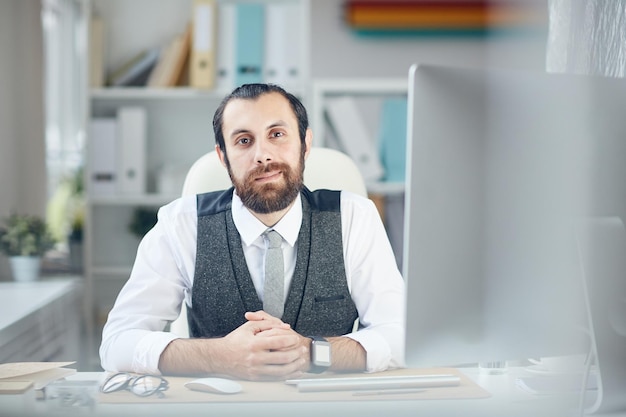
(244, 141)
(277, 134)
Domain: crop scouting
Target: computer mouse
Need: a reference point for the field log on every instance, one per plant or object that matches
(214, 385)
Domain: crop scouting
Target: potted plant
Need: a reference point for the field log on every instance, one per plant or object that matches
(143, 219)
(75, 241)
(65, 216)
(25, 239)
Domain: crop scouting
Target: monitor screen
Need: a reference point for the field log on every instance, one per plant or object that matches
(501, 167)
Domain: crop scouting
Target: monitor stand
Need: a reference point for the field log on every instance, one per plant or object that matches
(602, 245)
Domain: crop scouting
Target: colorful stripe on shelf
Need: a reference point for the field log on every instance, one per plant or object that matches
(447, 16)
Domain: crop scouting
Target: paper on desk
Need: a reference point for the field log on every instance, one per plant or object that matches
(9, 370)
(14, 387)
(39, 373)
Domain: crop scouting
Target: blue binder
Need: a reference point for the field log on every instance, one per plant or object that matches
(392, 138)
(250, 41)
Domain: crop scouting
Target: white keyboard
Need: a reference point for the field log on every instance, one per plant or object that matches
(375, 382)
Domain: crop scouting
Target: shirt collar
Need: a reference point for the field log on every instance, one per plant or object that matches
(250, 228)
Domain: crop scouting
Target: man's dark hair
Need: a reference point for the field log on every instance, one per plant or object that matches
(252, 92)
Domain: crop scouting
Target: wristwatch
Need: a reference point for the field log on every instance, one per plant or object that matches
(320, 354)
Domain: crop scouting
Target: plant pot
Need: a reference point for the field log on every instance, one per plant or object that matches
(25, 268)
(76, 255)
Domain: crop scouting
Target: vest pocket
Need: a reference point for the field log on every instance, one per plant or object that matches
(333, 314)
(337, 297)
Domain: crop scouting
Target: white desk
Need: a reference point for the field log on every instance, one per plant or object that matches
(39, 321)
(507, 401)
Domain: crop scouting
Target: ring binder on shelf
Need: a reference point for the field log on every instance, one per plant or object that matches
(250, 41)
(202, 64)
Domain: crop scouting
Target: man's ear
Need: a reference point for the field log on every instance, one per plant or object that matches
(308, 141)
(220, 155)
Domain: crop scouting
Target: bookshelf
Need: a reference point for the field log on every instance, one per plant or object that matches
(369, 94)
(178, 128)
(368, 90)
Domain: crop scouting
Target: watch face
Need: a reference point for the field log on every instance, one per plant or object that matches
(321, 353)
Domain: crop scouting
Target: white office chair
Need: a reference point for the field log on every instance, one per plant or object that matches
(324, 168)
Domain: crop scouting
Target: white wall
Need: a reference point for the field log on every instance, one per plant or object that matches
(337, 52)
(8, 189)
(22, 142)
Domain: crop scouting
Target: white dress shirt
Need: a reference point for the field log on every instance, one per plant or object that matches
(162, 278)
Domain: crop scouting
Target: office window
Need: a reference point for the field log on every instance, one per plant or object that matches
(64, 28)
(64, 25)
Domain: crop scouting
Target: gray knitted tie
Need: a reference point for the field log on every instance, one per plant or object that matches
(274, 288)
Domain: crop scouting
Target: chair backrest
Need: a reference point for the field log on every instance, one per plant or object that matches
(324, 168)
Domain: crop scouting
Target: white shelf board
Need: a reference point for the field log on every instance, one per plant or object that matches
(385, 188)
(155, 93)
(361, 85)
(132, 200)
(177, 93)
(114, 271)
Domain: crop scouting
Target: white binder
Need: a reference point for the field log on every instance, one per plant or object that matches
(353, 137)
(132, 150)
(282, 44)
(225, 77)
(103, 157)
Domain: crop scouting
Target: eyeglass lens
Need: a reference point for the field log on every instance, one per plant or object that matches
(147, 385)
(143, 385)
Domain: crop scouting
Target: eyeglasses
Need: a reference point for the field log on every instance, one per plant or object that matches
(140, 385)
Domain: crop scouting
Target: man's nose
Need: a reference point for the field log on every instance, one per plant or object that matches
(263, 152)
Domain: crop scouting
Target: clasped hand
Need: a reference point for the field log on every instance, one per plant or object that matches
(265, 348)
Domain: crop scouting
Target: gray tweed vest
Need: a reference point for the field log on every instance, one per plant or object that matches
(318, 302)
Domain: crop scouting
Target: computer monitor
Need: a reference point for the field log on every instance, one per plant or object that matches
(501, 166)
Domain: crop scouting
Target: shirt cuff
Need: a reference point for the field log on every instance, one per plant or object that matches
(148, 352)
(378, 352)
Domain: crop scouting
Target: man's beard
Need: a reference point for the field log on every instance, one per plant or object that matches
(269, 197)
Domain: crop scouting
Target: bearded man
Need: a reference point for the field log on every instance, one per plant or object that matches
(208, 254)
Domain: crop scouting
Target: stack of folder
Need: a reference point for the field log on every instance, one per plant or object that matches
(225, 44)
(442, 16)
(19, 377)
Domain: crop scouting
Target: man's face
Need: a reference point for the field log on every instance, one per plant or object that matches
(263, 152)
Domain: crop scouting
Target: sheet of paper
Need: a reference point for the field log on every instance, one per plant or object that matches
(14, 387)
(13, 369)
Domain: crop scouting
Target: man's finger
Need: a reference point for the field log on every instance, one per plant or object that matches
(263, 316)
